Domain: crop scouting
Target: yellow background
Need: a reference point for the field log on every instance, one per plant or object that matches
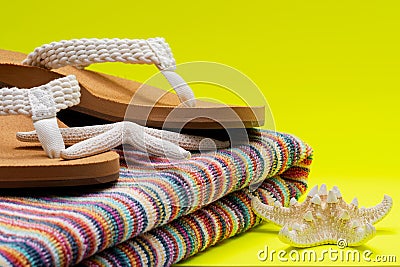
(329, 70)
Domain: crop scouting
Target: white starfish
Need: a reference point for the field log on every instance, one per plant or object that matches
(91, 140)
(323, 218)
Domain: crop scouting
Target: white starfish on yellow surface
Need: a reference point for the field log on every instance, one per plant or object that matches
(323, 218)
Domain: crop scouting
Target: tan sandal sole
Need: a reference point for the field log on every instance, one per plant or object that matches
(26, 165)
(108, 97)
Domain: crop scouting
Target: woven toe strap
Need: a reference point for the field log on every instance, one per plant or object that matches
(42, 103)
(81, 53)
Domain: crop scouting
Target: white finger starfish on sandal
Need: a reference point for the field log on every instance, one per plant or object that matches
(91, 140)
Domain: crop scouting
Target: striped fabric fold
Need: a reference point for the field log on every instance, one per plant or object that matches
(190, 234)
(66, 226)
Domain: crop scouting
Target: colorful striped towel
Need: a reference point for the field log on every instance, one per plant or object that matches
(68, 226)
(190, 234)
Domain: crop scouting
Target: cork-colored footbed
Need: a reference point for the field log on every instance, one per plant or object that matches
(108, 97)
(27, 165)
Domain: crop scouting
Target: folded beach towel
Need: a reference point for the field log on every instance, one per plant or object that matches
(190, 234)
(69, 225)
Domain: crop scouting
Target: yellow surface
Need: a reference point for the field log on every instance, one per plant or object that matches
(329, 69)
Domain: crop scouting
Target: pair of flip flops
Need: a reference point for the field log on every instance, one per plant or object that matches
(35, 87)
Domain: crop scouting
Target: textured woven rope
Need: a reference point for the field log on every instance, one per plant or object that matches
(42, 103)
(65, 92)
(68, 226)
(84, 52)
(81, 53)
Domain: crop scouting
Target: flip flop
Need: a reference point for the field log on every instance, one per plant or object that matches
(23, 165)
(108, 97)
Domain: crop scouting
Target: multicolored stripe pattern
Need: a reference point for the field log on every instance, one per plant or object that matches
(69, 225)
(190, 234)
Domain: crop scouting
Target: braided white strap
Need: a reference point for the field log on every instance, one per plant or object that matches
(42, 103)
(90, 140)
(84, 52)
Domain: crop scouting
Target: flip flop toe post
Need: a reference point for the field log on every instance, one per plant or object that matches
(30, 102)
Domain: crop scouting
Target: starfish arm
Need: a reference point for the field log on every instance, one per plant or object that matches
(71, 135)
(277, 215)
(95, 145)
(123, 133)
(190, 142)
(75, 135)
(136, 136)
(377, 213)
